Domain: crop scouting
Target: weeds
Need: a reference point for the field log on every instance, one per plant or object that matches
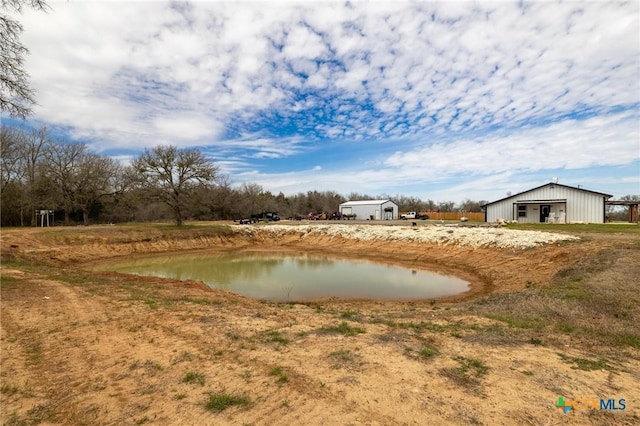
(535, 341)
(586, 364)
(232, 335)
(33, 352)
(343, 355)
(246, 375)
(9, 390)
(150, 367)
(142, 420)
(514, 322)
(350, 315)
(193, 378)
(276, 336)
(218, 402)
(281, 377)
(344, 358)
(42, 412)
(422, 326)
(468, 374)
(428, 352)
(199, 301)
(183, 357)
(344, 329)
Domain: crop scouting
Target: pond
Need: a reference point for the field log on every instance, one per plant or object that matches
(289, 277)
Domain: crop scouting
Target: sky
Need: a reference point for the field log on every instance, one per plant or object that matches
(438, 100)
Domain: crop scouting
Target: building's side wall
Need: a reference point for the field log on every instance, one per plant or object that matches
(586, 207)
(362, 211)
(501, 210)
(580, 206)
(366, 211)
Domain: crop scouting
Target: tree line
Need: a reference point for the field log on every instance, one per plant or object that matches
(42, 173)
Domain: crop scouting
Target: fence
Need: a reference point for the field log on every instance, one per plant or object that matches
(478, 217)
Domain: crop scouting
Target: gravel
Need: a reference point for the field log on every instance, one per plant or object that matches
(437, 234)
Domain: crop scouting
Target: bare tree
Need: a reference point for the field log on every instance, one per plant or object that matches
(221, 199)
(446, 206)
(22, 153)
(79, 177)
(61, 161)
(32, 154)
(170, 175)
(471, 206)
(11, 176)
(298, 205)
(16, 97)
(356, 196)
(96, 178)
(250, 196)
(11, 170)
(409, 204)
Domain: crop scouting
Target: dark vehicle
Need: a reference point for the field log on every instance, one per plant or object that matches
(265, 217)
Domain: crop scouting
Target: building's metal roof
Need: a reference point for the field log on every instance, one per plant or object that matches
(623, 202)
(555, 201)
(547, 184)
(365, 202)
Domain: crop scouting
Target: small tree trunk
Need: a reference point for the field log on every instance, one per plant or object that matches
(178, 215)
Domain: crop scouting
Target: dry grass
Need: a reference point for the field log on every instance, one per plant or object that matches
(595, 299)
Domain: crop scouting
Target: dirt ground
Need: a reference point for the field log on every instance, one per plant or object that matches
(81, 347)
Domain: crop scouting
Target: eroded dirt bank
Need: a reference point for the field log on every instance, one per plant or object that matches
(87, 348)
(488, 269)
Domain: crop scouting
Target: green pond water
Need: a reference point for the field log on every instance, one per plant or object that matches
(287, 277)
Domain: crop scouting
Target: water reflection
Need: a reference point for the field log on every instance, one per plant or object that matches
(290, 277)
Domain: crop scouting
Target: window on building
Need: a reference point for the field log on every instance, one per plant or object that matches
(522, 210)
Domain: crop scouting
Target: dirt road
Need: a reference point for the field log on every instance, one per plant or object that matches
(81, 347)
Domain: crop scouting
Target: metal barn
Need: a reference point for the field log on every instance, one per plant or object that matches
(550, 203)
(370, 209)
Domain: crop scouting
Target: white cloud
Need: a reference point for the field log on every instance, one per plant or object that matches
(490, 60)
(484, 168)
(486, 87)
(570, 144)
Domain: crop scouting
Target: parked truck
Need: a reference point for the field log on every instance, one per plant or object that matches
(414, 215)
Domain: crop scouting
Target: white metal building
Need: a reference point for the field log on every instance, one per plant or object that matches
(370, 209)
(551, 203)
